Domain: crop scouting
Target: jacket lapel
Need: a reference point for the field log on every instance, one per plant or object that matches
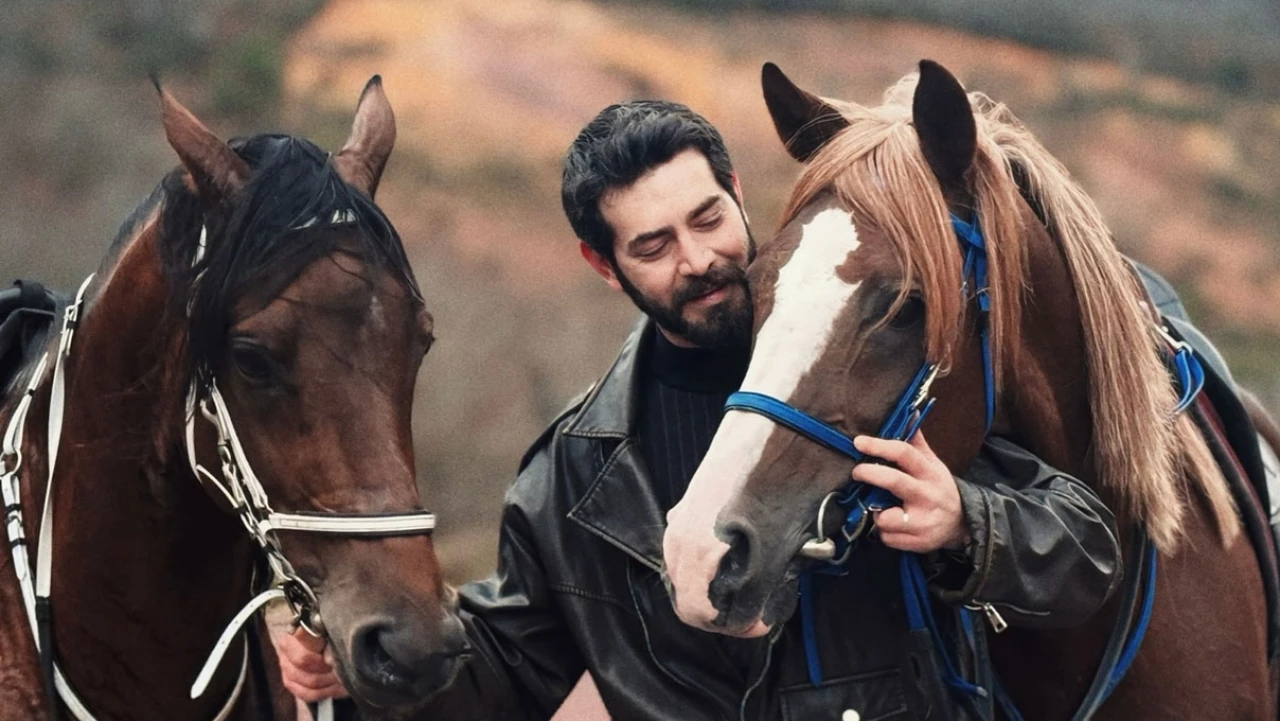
(620, 505)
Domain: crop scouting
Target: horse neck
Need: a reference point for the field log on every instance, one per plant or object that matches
(1046, 399)
(146, 569)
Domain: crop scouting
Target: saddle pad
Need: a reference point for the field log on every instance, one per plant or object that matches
(27, 311)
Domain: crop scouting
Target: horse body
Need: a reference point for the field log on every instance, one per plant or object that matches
(1076, 380)
(1204, 652)
(268, 271)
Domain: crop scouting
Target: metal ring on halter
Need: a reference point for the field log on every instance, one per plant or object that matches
(922, 394)
(304, 604)
(820, 547)
(856, 532)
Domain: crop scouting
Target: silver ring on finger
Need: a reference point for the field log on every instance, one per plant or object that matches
(906, 518)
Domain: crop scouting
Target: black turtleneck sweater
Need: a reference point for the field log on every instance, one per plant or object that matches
(682, 395)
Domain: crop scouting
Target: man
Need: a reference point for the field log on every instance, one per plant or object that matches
(650, 192)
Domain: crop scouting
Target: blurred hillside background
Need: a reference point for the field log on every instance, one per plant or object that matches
(1167, 110)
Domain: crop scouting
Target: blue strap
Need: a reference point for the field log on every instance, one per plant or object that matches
(969, 233)
(798, 421)
(910, 593)
(1134, 633)
(907, 414)
(901, 423)
(1189, 375)
(975, 266)
(915, 596)
(1140, 629)
(807, 632)
(1003, 698)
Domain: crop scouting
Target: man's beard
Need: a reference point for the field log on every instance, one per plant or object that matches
(726, 326)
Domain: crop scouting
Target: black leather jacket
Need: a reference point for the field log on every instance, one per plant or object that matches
(578, 589)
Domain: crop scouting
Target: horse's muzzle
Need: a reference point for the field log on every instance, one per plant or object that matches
(396, 666)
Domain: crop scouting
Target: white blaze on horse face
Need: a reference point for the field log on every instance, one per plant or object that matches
(808, 298)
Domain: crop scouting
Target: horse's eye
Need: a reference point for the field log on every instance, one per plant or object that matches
(253, 362)
(909, 314)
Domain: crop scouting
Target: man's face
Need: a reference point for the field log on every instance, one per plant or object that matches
(681, 248)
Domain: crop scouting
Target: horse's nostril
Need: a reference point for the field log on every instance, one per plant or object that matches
(737, 561)
(735, 567)
(738, 557)
(372, 659)
(407, 658)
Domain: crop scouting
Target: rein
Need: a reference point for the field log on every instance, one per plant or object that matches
(858, 501)
(236, 484)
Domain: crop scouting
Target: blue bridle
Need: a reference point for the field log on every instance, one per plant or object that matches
(858, 500)
(901, 424)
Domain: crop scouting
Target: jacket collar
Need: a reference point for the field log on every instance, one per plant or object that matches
(620, 505)
(609, 410)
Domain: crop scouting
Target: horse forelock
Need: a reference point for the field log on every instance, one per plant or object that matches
(282, 220)
(877, 171)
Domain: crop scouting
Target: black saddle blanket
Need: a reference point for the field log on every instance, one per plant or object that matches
(27, 312)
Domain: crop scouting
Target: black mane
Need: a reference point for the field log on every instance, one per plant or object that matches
(279, 223)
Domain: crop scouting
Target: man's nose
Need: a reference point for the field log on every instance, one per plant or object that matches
(696, 257)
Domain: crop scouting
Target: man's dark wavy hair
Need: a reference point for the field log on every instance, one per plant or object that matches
(622, 143)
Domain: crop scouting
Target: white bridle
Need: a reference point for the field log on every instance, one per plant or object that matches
(237, 484)
(244, 493)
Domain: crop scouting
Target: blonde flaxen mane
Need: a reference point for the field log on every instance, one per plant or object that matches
(877, 170)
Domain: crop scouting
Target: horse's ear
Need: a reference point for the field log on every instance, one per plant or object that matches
(216, 169)
(373, 134)
(944, 123)
(804, 121)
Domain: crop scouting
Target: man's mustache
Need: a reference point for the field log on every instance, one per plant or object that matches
(716, 277)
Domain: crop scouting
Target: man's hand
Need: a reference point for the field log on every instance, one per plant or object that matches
(307, 673)
(930, 517)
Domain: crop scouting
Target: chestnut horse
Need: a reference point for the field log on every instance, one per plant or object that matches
(257, 315)
(864, 286)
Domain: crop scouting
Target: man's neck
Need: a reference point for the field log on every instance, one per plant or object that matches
(696, 369)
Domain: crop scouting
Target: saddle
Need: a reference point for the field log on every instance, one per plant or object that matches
(1247, 460)
(27, 312)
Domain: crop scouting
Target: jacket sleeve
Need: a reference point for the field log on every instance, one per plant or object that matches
(524, 661)
(1043, 551)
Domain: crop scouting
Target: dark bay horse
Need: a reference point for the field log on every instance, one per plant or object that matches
(864, 285)
(258, 284)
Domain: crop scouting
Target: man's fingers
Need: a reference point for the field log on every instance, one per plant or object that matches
(312, 695)
(295, 653)
(905, 542)
(894, 521)
(311, 686)
(920, 444)
(899, 453)
(308, 681)
(311, 643)
(890, 479)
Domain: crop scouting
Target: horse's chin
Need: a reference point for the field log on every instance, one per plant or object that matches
(776, 610)
(781, 604)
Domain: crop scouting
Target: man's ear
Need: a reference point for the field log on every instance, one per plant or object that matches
(600, 265)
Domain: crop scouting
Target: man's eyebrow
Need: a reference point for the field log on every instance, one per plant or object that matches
(703, 207)
(649, 235)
